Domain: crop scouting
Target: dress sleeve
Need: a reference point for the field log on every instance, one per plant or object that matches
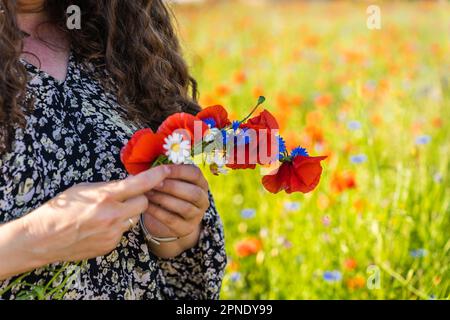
(198, 272)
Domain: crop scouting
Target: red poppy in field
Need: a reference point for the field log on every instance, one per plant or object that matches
(216, 116)
(302, 174)
(356, 282)
(350, 264)
(323, 100)
(342, 181)
(223, 90)
(184, 124)
(248, 247)
(142, 149)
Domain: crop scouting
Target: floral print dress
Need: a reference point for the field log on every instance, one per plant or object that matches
(74, 135)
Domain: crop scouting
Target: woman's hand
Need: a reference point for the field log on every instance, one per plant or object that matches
(85, 221)
(176, 208)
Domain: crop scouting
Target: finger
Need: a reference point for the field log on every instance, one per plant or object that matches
(172, 221)
(184, 209)
(134, 207)
(130, 223)
(188, 173)
(139, 184)
(185, 191)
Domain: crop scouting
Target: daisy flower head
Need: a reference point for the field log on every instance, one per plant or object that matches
(178, 150)
(212, 134)
(217, 161)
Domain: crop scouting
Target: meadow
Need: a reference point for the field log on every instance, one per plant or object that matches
(377, 102)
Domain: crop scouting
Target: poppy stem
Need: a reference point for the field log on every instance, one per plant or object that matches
(261, 100)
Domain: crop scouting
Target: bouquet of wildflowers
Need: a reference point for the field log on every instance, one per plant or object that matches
(211, 138)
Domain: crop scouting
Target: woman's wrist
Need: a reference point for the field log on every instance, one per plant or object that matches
(16, 249)
(167, 250)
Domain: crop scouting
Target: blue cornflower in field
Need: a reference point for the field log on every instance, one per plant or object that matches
(248, 213)
(332, 276)
(423, 139)
(358, 159)
(291, 206)
(354, 125)
(235, 276)
(418, 253)
(437, 177)
(299, 151)
(210, 122)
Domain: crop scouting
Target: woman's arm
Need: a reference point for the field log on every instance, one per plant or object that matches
(85, 221)
(16, 256)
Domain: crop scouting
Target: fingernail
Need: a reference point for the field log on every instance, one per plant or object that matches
(161, 185)
(166, 169)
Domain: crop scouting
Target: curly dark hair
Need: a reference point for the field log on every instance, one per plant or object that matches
(135, 41)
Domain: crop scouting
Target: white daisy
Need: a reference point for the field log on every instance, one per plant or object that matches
(177, 149)
(217, 161)
(212, 134)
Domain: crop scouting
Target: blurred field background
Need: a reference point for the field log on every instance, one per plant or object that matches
(377, 102)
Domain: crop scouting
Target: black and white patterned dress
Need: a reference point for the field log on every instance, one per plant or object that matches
(75, 135)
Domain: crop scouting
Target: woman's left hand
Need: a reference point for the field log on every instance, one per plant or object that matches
(176, 208)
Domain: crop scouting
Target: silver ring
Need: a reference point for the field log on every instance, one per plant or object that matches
(131, 223)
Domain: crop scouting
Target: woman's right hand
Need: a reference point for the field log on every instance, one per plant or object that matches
(89, 220)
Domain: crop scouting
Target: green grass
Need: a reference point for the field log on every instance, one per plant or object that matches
(395, 83)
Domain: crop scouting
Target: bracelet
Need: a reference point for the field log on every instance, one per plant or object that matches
(150, 238)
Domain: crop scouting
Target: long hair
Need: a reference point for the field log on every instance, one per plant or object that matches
(133, 40)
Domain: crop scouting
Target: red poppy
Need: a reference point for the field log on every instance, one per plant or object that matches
(342, 181)
(184, 124)
(302, 174)
(248, 247)
(264, 123)
(216, 113)
(142, 149)
(265, 120)
(239, 161)
(350, 264)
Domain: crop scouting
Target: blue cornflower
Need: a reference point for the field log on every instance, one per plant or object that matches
(281, 144)
(291, 206)
(424, 139)
(299, 151)
(354, 125)
(332, 276)
(235, 276)
(225, 136)
(418, 253)
(235, 125)
(248, 213)
(210, 122)
(357, 159)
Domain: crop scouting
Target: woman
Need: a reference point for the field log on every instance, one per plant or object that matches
(69, 100)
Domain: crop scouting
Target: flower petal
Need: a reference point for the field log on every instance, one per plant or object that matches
(141, 150)
(217, 113)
